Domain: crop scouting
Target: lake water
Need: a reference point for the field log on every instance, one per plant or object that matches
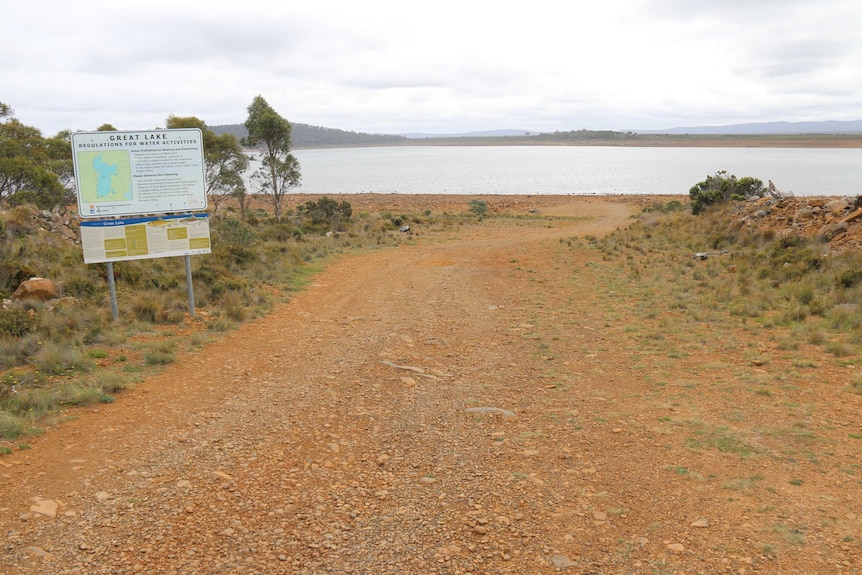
(571, 169)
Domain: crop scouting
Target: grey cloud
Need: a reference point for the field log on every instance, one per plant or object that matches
(796, 57)
(195, 43)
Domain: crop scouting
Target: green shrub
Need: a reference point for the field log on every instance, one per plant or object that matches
(11, 427)
(479, 207)
(279, 232)
(326, 214)
(109, 382)
(146, 308)
(16, 322)
(79, 285)
(722, 187)
(233, 307)
(18, 351)
(56, 359)
(158, 357)
(233, 232)
(849, 278)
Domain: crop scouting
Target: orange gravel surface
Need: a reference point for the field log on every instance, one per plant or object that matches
(474, 402)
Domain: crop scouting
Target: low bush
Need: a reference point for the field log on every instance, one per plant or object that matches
(16, 322)
(721, 188)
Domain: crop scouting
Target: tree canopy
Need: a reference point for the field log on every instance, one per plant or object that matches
(33, 169)
(279, 170)
(224, 160)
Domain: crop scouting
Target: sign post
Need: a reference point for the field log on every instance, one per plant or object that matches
(190, 288)
(121, 174)
(112, 289)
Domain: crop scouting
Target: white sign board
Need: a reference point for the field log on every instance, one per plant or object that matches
(134, 173)
(142, 238)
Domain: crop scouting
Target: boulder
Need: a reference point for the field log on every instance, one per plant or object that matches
(803, 214)
(831, 231)
(853, 217)
(838, 207)
(36, 288)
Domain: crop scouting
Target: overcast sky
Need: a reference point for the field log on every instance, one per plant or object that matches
(440, 67)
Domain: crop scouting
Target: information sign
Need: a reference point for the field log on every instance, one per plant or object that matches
(135, 173)
(142, 238)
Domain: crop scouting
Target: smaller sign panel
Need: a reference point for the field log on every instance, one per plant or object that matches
(142, 238)
(135, 173)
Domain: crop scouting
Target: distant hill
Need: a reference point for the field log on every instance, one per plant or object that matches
(483, 134)
(766, 128)
(306, 136)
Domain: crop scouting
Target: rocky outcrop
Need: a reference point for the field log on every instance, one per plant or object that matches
(36, 288)
(834, 221)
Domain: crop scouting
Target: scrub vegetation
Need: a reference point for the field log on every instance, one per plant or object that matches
(68, 351)
(715, 267)
(60, 352)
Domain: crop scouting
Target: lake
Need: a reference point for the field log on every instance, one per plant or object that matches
(571, 169)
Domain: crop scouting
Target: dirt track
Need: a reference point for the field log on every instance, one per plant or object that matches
(334, 437)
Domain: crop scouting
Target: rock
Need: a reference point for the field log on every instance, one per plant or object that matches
(852, 217)
(802, 215)
(675, 547)
(600, 516)
(425, 480)
(702, 522)
(46, 507)
(102, 496)
(837, 207)
(483, 410)
(561, 561)
(830, 231)
(406, 367)
(36, 288)
(38, 552)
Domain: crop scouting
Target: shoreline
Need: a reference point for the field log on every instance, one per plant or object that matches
(369, 202)
(826, 141)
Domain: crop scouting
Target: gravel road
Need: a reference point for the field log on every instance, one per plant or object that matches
(402, 415)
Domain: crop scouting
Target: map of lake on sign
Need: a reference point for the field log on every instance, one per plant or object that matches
(105, 176)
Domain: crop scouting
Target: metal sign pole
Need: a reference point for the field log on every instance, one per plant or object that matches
(112, 287)
(190, 287)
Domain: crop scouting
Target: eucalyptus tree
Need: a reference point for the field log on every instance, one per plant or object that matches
(270, 133)
(224, 161)
(33, 169)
